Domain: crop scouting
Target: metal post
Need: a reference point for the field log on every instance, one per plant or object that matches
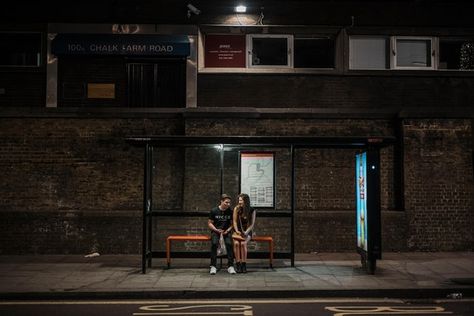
(293, 203)
(150, 205)
(221, 148)
(145, 207)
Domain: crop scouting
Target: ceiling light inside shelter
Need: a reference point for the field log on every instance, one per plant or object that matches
(240, 9)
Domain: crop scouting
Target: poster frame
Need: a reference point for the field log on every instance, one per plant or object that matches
(273, 172)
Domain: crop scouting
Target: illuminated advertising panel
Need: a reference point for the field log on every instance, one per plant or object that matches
(257, 178)
(361, 200)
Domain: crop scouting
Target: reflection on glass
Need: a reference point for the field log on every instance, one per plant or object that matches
(269, 51)
(413, 53)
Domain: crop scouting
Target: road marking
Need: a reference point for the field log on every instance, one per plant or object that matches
(386, 310)
(450, 300)
(245, 310)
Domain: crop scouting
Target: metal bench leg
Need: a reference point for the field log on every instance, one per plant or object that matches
(168, 252)
(271, 253)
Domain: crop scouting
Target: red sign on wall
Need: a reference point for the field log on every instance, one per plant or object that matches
(225, 51)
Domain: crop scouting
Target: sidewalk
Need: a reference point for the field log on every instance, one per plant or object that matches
(412, 275)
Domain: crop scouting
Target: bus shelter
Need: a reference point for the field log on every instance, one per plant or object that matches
(369, 247)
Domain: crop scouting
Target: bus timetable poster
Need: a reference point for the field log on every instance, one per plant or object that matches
(257, 178)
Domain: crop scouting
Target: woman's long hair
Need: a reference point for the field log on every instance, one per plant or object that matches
(245, 210)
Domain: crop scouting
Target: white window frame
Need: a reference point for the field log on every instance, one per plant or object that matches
(289, 41)
(393, 55)
(388, 54)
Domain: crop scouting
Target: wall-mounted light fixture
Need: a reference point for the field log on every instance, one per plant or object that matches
(240, 9)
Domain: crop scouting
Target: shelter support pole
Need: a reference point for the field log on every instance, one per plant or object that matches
(150, 206)
(221, 151)
(293, 203)
(145, 206)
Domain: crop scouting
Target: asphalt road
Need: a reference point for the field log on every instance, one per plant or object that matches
(274, 307)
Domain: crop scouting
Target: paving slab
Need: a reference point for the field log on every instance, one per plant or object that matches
(316, 274)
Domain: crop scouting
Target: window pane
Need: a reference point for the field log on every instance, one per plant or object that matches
(368, 53)
(20, 49)
(413, 53)
(314, 53)
(456, 54)
(269, 51)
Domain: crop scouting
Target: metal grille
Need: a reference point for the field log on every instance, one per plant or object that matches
(157, 84)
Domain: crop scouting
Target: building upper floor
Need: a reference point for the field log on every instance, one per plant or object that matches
(390, 55)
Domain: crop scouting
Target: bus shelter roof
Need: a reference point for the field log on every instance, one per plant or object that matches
(264, 141)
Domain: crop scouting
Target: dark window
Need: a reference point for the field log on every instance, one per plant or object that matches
(269, 51)
(157, 83)
(456, 54)
(314, 53)
(20, 49)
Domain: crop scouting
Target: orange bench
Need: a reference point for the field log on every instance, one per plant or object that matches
(170, 238)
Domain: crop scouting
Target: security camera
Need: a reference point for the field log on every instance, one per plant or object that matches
(193, 9)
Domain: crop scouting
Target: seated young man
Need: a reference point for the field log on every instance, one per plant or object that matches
(220, 223)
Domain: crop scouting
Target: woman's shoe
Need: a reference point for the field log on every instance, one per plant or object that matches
(244, 267)
(238, 267)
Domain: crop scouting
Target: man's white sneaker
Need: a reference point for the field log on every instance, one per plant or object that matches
(213, 270)
(231, 270)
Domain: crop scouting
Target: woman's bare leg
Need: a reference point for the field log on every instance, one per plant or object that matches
(243, 245)
(238, 258)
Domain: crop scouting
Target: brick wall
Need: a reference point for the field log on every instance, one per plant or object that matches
(438, 179)
(168, 175)
(70, 232)
(369, 92)
(26, 88)
(325, 199)
(72, 185)
(279, 228)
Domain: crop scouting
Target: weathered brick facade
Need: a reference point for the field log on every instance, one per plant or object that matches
(70, 183)
(74, 185)
(335, 91)
(438, 179)
(325, 195)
